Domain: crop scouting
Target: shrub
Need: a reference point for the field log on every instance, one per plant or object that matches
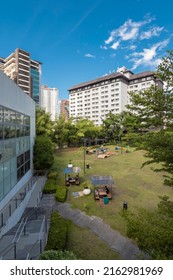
(57, 255)
(50, 186)
(61, 193)
(58, 232)
(52, 175)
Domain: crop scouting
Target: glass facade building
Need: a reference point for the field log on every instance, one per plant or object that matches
(35, 81)
(14, 148)
(17, 136)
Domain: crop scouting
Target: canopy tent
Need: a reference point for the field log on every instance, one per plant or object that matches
(101, 180)
(72, 180)
(102, 187)
(70, 170)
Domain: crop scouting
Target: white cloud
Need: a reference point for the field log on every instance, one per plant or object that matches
(89, 55)
(148, 57)
(131, 35)
(103, 47)
(132, 47)
(115, 45)
(128, 31)
(155, 31)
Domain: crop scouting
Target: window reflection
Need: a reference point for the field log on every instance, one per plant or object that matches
(14, 148)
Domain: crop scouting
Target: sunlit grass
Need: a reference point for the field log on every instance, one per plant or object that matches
(140, 187)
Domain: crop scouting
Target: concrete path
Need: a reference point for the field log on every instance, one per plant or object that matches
(124, 246)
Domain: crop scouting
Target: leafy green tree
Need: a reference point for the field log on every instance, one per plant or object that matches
(112, 126)
(152, 108)
(86, 129)
(159, 149)
(165, 71)
(57, 255)
(43, 123)
(72, 137)
(60, 132)
(43, 152)
(152, 230)
(121, 126)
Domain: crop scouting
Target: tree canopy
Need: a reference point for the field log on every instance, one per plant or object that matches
(154, 110)
(43, 153)
(152, 230)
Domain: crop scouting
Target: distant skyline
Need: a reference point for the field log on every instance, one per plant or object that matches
(78, 41)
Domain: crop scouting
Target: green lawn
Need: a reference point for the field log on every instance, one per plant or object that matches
(87, 246)
(139, 187)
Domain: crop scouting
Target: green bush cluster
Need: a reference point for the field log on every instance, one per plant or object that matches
(50, 186)
(58, 233)
(61, 194)
(52, 175)
(57, 255)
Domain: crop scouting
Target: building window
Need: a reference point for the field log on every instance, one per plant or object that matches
(14, 148)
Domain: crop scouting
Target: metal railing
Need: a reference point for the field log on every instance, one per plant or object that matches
(21, 229)
(40, 243)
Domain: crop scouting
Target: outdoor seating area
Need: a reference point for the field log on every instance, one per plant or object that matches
(72, 176)
(72, 180)
(102, 188)
(108, 154)
(103, 191)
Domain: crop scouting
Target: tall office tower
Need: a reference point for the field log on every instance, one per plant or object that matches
(49, 101)
(35, 71)
(17, 134)
(95, 99)
(24, 71)
(64, 109)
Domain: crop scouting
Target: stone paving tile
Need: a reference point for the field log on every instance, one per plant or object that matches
(114, 239)
(124, 246)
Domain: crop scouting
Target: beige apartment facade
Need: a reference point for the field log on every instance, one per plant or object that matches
(96, 98)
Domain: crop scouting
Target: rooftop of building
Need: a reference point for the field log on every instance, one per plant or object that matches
(121, 74)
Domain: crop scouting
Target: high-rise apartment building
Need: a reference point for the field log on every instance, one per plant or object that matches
(24, 71)
(49, 101)
(64, 109)
(95, 99)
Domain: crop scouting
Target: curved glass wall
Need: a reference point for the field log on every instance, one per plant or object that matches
(14, 148)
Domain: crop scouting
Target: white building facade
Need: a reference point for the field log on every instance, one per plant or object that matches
(17, 135)
(49, 101)
(95, 99)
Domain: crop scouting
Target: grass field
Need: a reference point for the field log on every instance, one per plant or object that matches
(87, 246)
(139, 187)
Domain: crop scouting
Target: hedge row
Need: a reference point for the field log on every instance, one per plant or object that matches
(50, 186)
(58, 233)
(61, 194)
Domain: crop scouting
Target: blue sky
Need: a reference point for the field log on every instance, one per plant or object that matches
(81, 40)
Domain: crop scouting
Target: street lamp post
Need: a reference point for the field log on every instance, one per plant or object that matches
(84, 142)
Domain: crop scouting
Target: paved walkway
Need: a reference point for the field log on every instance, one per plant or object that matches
(124, 246)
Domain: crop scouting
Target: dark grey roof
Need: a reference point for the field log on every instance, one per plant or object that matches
(112, 76)
(142, 75)
(104, 78)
